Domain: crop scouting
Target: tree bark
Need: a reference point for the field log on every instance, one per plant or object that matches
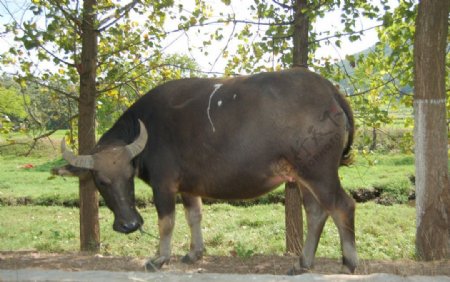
(293, 218)
(89, 223)
(300, 36)
(292, 194)
(431, 137)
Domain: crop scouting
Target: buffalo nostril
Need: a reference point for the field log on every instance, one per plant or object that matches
(131, 226)
(127, 227)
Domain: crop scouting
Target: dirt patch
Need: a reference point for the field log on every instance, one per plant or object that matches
(213, 264)
(379, 196)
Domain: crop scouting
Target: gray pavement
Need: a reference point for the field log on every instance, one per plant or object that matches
(59, 275)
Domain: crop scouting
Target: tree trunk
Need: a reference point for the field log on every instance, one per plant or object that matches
(432, 179)
(89, 224)
(293, 218)
(300, 36)
(373, 146)
(292, 194)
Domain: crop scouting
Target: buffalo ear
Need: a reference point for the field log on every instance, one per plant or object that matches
(69, 170)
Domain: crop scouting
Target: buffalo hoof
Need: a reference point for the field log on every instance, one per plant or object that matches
(154, 265)
(296, 270)
(349, 265)
(192, 257)
(347, 270)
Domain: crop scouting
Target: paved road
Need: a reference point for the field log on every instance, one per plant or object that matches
(58, 275)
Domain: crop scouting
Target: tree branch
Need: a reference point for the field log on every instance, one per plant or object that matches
(285, 6)
(391, 80)
(112, 19)
(133, 42)
(127, 82)
(346, 34)
(225, 47)
(289, 35)
(68, 16)
(233, 21)
(57, 90)
(55, 56)
(311, 6)
(47, 134)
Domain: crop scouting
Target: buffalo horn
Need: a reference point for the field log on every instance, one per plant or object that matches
(139, 144)
(83, 161)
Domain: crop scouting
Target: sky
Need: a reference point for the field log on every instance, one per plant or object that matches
(178, 42)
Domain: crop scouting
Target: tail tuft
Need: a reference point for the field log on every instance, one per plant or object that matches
(347, 159)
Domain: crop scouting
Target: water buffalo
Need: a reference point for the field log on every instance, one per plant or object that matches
(230, 138)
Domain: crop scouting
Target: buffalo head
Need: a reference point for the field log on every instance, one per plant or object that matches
(113, 173)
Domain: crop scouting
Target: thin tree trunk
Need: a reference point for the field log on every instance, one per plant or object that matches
(89, 223)
(292, 195)
(300, 36)
(373, 146)
(293, 218)
(432, 179)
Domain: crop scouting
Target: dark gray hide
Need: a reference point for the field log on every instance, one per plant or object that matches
(234, 138)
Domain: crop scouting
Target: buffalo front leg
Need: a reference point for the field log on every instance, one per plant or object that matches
(165, 206)
(193, 212)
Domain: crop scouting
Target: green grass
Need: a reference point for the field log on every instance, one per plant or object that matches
(18, 184)
(385, 232)
(382, 232)
(35, 185)
(389, 173)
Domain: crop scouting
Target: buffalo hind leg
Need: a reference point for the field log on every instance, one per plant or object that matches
(316, 217)
(165, 207)
(193, 213)
(341, 208)
(344, 218)
(331, 199)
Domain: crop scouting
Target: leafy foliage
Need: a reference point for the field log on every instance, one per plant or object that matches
(379, 81)
(266, 40)
(129, 51)
(12, 103)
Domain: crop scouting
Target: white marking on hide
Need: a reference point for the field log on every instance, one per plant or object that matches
(219, 103)
(216, 87)
(234, 96)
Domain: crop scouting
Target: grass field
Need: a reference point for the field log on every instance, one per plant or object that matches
(382, 232)
(39, 213)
